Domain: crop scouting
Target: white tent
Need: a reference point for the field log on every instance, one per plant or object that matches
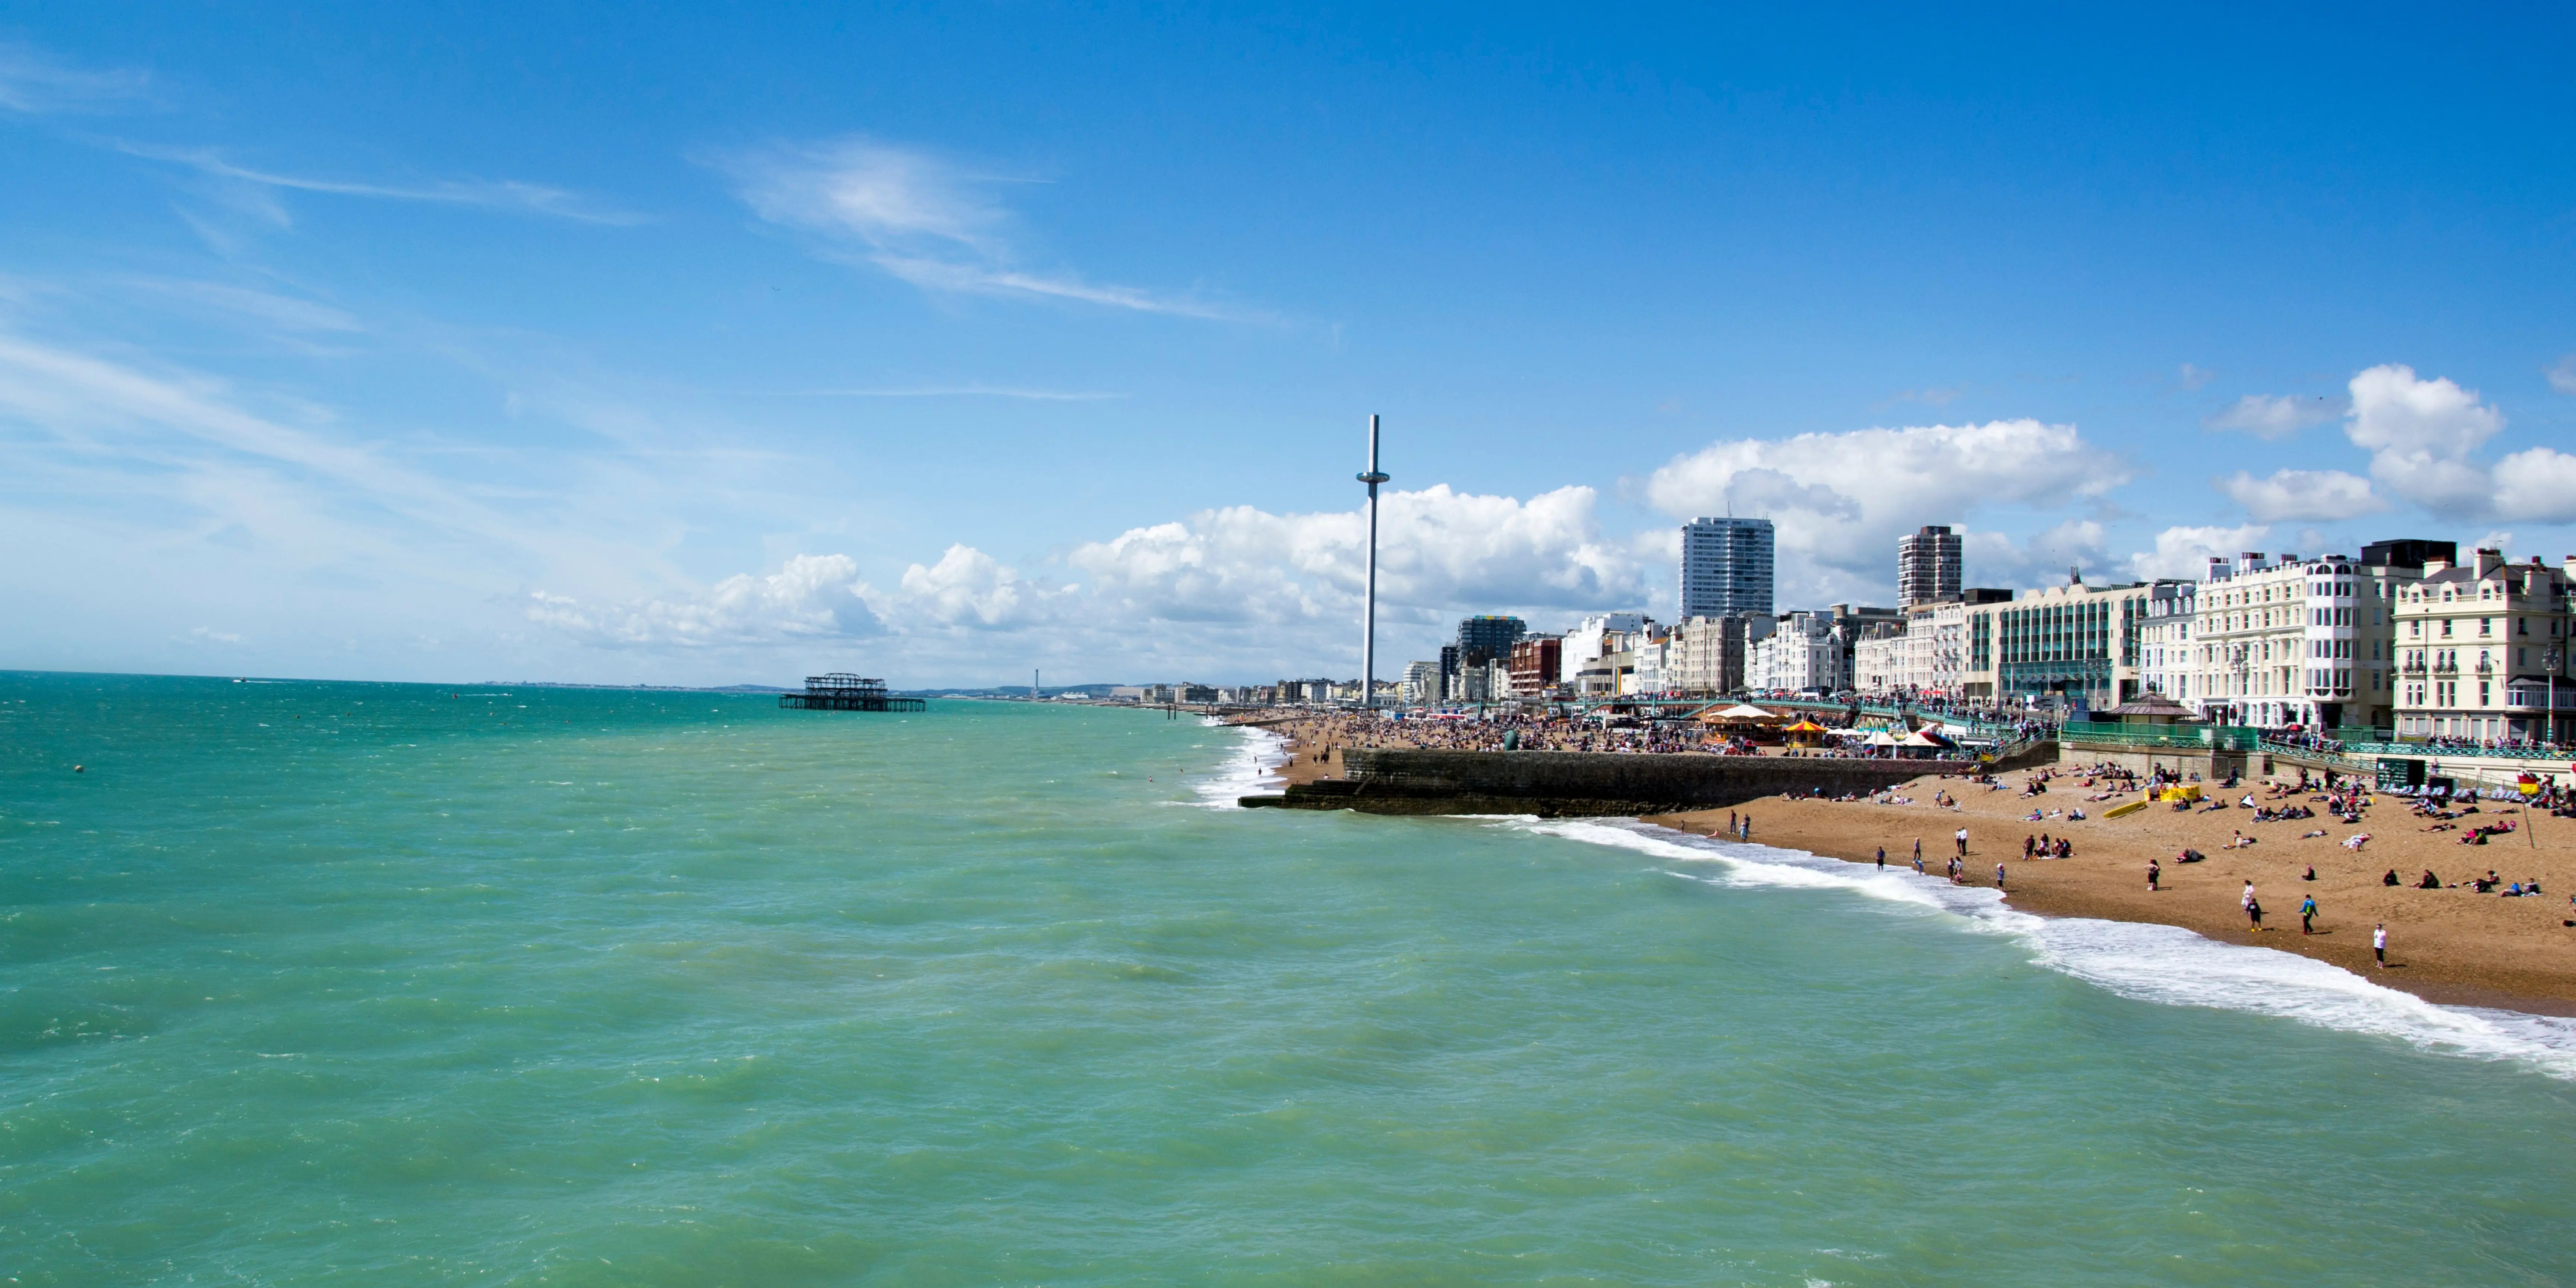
(1882, 738)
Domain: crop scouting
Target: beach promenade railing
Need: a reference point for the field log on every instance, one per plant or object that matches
(2341, 758)
(2427, 751)
(2086, 733)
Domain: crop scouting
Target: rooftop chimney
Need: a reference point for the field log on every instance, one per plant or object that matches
(2489, 561)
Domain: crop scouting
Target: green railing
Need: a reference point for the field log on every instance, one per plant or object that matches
(2423, 751)
(2345, 758)
(2177, 737)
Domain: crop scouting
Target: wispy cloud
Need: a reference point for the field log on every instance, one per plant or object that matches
(959, 391)
(502, 194)
(926, 221)
(2562, 374)
(2276, 416)
(34, 84)
(284, 312)
(1934, 396)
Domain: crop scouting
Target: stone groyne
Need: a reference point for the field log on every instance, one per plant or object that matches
(1554, 784)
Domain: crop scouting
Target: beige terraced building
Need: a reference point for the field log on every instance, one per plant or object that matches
(2482, 651)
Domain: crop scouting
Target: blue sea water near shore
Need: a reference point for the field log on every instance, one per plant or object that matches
(307, 983)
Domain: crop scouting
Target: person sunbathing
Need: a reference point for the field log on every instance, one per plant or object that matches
(2391, 878)
(2430, 882)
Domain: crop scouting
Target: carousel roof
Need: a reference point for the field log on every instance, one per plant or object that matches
(2151, 704)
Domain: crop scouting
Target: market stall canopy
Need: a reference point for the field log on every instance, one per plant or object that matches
(1882, 738)
(1925, 738)
(1738, 714)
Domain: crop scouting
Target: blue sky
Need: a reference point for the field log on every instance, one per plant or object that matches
(721, 344)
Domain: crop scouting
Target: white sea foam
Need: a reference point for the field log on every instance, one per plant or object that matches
(2163, 964)
(1248, 771)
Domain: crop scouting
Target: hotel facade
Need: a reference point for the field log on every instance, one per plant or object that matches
(2481, 651)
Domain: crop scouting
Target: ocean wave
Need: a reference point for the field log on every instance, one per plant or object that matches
(1247, 771)
(2163, 964)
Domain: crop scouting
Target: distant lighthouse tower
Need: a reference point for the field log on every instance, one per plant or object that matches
(1368, 621)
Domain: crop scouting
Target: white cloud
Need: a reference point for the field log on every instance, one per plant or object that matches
(1839, 501)
(923, 220)
(2042, 559)
(1438, 550)
(2420, 434)
(2537, 484)
(971, 589)
(500, 194)
(810, 596)
(34, 84)
(1238, 584)
(2186, 551)
(2302, 494)
(2275, 416)
(2195, 377)
(2562, 374)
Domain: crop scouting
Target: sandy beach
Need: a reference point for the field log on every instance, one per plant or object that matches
(2451, 945)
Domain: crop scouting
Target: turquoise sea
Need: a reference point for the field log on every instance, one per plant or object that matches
(308, 983)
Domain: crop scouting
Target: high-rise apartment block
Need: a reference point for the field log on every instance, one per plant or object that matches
(1726, 567)
(1489, 638)
(1927, 566)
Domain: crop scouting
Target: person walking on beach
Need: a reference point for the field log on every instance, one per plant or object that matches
(2153, 872)
(2308, 915)
(2379, 943)
(1999, 876)
(1962, 839)
(1882, 858)
(1918, 856)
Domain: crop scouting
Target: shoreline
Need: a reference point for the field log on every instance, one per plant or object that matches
(2451, 947)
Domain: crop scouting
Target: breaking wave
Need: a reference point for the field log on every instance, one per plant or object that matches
(2154, 963)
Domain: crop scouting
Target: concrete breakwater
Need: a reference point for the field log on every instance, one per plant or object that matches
(1554, 784)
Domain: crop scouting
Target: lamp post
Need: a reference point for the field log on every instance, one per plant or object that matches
(1368, 624)
(2552, 658)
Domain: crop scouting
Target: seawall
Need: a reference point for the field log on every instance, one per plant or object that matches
(1553, 784)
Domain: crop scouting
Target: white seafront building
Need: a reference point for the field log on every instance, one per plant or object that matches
(2308, 642)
